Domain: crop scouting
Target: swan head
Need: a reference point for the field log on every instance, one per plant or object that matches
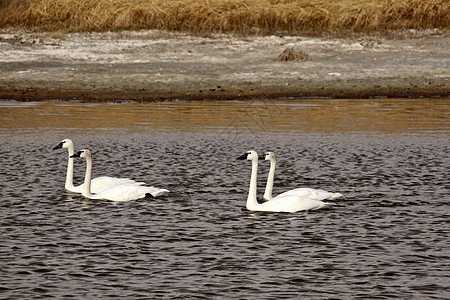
(66, 144)
(250, 155)
(85, 153)
(267, 156)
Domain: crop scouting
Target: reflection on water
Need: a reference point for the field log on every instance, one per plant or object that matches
(267, 116)
(387, 239)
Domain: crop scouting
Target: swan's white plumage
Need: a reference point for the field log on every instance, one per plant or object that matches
(98, 184)
(124, 192)
(292, 204)
(315, 194)
(287, 203)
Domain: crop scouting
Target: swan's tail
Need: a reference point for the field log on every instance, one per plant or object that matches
(335, 196)
(323, 195)
(156, 192)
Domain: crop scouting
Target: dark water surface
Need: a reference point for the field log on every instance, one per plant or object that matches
(389, 238)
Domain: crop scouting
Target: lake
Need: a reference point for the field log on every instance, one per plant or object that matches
(388, 238)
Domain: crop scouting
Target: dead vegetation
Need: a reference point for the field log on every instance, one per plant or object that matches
(240, 16)
(293, 54)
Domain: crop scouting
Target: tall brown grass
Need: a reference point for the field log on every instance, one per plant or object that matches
(226, 15)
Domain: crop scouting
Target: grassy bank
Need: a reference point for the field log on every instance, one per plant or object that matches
(242, 16)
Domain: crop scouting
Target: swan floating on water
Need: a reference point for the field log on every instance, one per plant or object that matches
(316, 194)
(98, 184)
(287, 203)
(124, 192)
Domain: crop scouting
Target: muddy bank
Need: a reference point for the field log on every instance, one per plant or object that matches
(156, 65)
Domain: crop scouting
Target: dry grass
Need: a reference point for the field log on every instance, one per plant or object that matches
(244, 16)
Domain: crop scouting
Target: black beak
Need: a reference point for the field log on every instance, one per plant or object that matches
(243, 156)
(59, 146)
(262, 157)
(76, 154)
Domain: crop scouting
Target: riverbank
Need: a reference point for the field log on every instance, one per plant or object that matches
(158, 65)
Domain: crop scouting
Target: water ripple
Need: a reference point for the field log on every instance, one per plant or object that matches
(387, 239)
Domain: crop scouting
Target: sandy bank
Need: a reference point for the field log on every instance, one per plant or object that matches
(154, 65)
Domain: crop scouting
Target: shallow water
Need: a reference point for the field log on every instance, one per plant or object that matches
(389, 238)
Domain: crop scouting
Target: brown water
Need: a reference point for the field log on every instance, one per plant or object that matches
(389, 238)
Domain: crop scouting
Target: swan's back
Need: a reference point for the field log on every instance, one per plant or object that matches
(126, 192)
(102, 183)
(315, 194)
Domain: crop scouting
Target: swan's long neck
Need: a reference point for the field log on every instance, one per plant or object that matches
(69, 175)
(252, 203)
(87, 178)
(270, 178)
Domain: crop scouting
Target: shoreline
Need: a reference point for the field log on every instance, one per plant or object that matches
(156, 65)
(335, 90)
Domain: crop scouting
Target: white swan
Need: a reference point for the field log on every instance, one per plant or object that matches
(98, 184)
(316, 194)
(287, 203)
(124, 192)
